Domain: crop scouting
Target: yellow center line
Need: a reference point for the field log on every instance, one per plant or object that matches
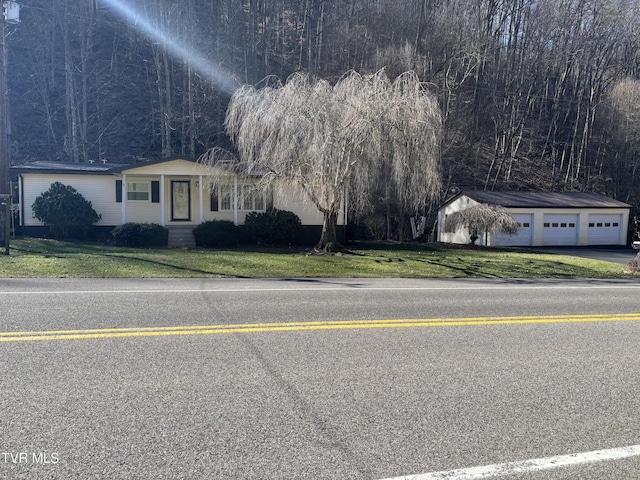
(306, 326)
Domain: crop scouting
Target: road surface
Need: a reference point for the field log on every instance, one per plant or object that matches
(370, 379)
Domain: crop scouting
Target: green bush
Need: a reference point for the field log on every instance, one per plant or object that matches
(65, 211)
(218, 234)
(274, 227)
(147, 235)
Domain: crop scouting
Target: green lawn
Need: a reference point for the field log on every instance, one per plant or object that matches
(49, 258)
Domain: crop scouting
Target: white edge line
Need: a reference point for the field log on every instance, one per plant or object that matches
(312, 289)
(525, 466)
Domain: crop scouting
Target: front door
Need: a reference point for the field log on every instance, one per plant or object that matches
(180, 200)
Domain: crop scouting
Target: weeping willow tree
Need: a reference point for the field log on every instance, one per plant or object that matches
(338, 143)
(482, 218)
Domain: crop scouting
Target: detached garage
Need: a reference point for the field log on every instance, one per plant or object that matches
(545, 219)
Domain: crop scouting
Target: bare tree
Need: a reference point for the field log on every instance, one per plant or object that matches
(622, 124)
(482, 218)
(336, 143)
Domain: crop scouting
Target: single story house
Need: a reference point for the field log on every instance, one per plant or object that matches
(173, 192)
(545, 219)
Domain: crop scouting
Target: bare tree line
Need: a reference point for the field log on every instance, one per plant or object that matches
(534, 94)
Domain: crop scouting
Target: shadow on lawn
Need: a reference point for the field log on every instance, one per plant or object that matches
(178, 268)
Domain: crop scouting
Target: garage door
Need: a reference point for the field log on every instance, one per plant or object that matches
(560, 230)
(605, 229)
(522, 238)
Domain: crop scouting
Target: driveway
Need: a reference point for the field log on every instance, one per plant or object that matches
(616, 254)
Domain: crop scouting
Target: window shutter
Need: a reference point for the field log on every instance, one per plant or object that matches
(155, 191)
(119, 191)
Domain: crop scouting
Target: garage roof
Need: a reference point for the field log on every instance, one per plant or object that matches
(543, 199)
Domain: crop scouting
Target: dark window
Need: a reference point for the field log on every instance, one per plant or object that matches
(155, 191)
(563, 225)
(572, 225)
(526, 225)
(615, 224)
(547, 225)
(119, 191)
(554, 225)
(214, 200)
(591, 225)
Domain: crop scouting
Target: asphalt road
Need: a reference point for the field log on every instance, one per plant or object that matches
(153, 391)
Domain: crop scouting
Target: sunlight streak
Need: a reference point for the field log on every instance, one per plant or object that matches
(198, 61)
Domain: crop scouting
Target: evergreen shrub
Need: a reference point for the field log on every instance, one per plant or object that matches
(65, 211)
(218, 234)
(274, 227)
(145, 235)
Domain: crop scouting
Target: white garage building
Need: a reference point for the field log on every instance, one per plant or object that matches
(546, 219)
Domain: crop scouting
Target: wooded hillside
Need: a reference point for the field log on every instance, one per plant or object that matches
(535, 94)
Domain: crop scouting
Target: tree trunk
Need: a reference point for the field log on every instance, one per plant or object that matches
(329, 230)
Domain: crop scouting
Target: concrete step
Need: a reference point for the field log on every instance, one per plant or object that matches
(181, 237)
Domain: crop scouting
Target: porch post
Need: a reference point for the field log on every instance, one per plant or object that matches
(124, 198)
(162, 200)
(200, 199)
(235, 201)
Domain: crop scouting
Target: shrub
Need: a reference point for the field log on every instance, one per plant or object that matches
(65, 211)
(218, 234)
(147, 235)
(274, 227)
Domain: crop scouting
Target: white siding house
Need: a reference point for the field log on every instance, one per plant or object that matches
(172, 192)
(546, 219)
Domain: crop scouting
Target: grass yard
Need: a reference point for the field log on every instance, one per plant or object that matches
(32, 257)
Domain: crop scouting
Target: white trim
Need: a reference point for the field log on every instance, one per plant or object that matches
(235, 201)
(20, 201)
(124, 198)
(201, 199)
(162, 203)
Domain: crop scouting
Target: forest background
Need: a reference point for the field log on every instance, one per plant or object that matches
(535, 94)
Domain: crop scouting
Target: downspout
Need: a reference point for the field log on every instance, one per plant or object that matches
(124, 198)
(200, 199)
(21, 199)
(235, 201)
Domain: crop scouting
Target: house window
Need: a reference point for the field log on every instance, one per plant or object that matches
(225, 197)
(250, 198)
(138, 191)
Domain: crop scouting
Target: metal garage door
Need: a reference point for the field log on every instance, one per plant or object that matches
(521, 239)
(605, 229)
(560, 230)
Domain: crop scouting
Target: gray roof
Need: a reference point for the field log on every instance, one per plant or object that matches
(72, 168)
(544, 199)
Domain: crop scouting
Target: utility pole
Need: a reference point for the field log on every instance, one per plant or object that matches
(10, 14)
(5, 194)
